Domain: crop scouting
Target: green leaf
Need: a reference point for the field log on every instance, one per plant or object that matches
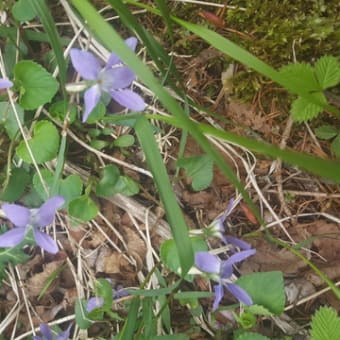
(326, 131)
(169, 254)
(301, 72)
(104, 290)
(170, 337)
(7, 118)
(327, 71)
(124, 141)
(266, 289)
(18, 181)
(335, 146)
(246, 320)
(13, 255)
(83, 208)
(81, 316)
(250, 336)
(70, 187)
(44, 143)
(48, 180)
(97, 113)
(303, 110)
(54, 40)
(37, 86)
(200, 169)
(59, 109)
(23, 11)
(325, 324)
(258, 310)
(110, 175)
(126, 186)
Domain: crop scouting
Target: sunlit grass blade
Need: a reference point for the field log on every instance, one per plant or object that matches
(163, 8)
(174, 213)
(109, 37)
(292, 84)
(162, 60)
(54, 39)
(321, 167)
(130, 324)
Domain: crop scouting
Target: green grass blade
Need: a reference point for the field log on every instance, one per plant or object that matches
(318, 166)
(165, 12)
(131, 321)
(156, 51)
(176, 220)
(60, 164)
(54, 39)
(109, 37)
(292, 84)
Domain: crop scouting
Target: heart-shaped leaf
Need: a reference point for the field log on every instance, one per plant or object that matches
(44, 144)
(37, 86)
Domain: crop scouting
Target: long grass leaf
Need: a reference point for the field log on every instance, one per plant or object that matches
(112, 40)
(293, 84)
(54, 39)
(174, 214)
(321, 167)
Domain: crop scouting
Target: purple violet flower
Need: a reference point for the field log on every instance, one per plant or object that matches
(98, 302)
(220, 271)
(94, 303)
(48, 335)
(113, 79)
(216, 229)
(24, 218)
(5, 83)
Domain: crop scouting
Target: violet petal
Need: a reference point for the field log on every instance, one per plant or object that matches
(17, 214)
(117, 294)
(12, 237)
(85, 63)
(114, 59)
(93, 303)
(37, 337)
(5, 83)
(46, 331)
(239, 293)
(46, 213)
(240, 256)
(132, 43)
(219, 292)
(207, 262)
(226, 270)
(237, 242)
(45, 241)
(65, 334)
(116, 78)
(91, 98)
(129, 99)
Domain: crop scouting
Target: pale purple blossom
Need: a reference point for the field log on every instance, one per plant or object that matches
(113, 78)
(5, 83)
(48, 335)
(216, 228)
(24, 218)
(98, 302)
(221, 271)
(94, 303)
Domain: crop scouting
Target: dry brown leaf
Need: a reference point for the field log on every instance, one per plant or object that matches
(37, 282)
(327, 246)
(136, 246)
(114, 263)
(269, 258)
